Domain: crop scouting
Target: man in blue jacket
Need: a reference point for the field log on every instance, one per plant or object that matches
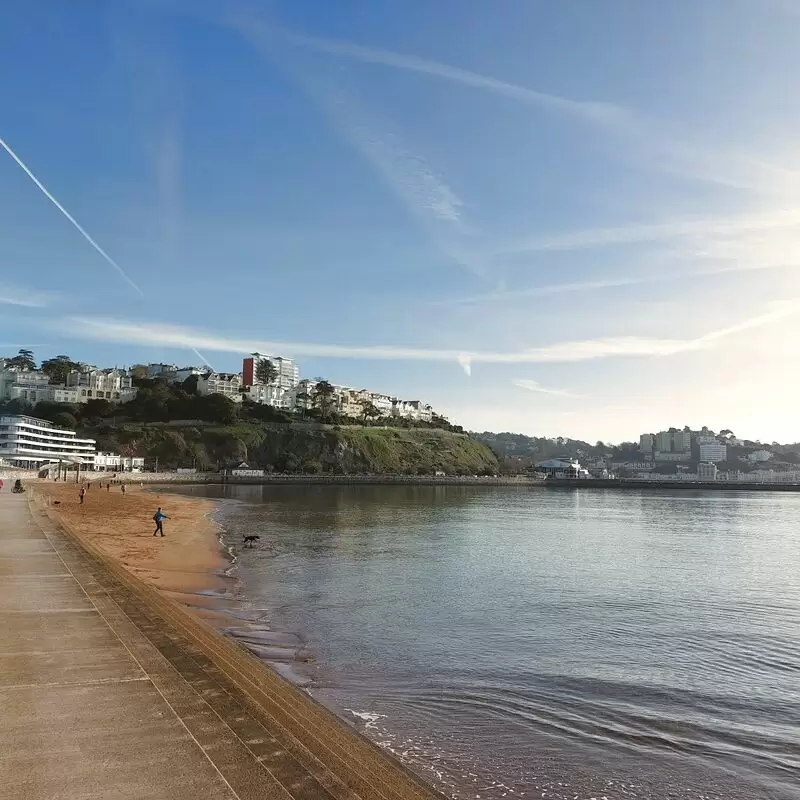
(159, 518)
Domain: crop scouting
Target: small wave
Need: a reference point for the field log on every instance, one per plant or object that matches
(370, 719)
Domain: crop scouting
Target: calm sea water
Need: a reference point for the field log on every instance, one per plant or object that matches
(540, 643)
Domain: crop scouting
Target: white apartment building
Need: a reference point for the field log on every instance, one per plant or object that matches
(759, 455)
(228, 384)
(103, 384)
(30, 442)
(270, 395)
(383, 402)
(646, 442)
(287, 372)
(713, 452)
(113, 462)
(412, 409)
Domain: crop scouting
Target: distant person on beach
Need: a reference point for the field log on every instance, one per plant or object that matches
(123, 488)
(159, 518)
(82, 494)
(108, 486)
(1, 484)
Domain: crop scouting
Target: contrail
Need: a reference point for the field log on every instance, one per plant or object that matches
(203, 359)
(72, 219)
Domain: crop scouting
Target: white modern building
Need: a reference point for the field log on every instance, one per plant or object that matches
(228, 384)
(113, 462)
(562, 468)
(759, 455)
(646, 442)
(270, 395)
(30, 442)
(287, 373)
(713, 452)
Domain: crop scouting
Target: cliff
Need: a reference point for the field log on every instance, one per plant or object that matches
(296, 447)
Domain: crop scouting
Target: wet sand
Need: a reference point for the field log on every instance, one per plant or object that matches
(187, 563)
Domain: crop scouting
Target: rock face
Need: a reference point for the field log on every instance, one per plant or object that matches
(309, 448)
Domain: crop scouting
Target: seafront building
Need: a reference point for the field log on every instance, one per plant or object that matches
(113, 462)
(29, 442)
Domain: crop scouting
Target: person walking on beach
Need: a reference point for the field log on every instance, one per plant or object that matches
(82, 494)
(123, 488)
(1, 484)
(159, 518)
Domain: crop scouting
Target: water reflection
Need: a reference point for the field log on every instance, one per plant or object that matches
(568, 643)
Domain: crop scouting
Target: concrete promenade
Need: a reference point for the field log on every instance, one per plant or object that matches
(109, 690)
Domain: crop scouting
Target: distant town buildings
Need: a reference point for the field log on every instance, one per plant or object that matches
(285, 390)
(79, 386)
(707, 472)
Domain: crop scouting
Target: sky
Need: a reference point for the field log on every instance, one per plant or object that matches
(575, 218)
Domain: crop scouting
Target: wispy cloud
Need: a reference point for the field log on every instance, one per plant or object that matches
(700, 228)
(560, 352)
(641, 139)
(27, 298)
(72, 219)
(533, 386)
(408, 176)
(596, 112)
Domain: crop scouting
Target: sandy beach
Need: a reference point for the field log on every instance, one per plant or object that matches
(188, 560)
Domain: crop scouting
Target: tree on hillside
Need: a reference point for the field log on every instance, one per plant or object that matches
(266, 371)
(96, 408)
(58, 368)
(301, 402)
(323, 398)
(217, 408)
(64, 420)
(23, 360)
(190, 385)
(368, 411)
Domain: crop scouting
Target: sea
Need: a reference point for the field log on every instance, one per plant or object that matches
(521, 642)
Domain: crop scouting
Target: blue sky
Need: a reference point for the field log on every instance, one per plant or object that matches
(568, 218)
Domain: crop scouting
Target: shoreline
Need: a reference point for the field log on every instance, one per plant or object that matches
(167, 479)
(190, 563)
(319, 741)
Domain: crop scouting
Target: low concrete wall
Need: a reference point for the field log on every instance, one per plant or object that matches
(343, 480)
